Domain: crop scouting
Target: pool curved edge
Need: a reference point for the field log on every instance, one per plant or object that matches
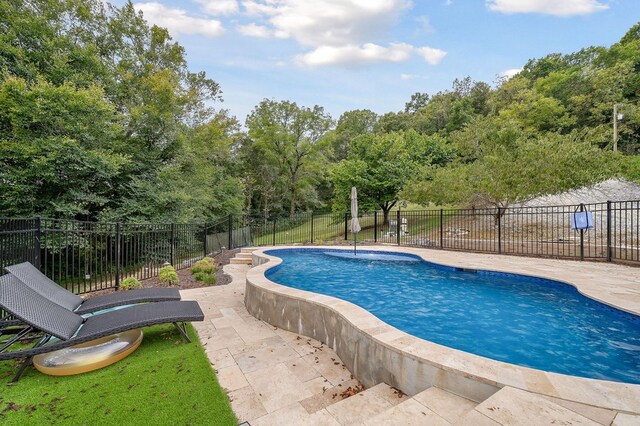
(376, 352)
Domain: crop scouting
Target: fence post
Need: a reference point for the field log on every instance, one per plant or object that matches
(172, 236)
(609, 248)
(345, 227)
(311, 227)
(581, 236)
(118, 225)
(441, 228)
(500, 230)
(398, 227)
(375, 226)
(205, 239)
(230, 232)
(274, 230)
(36, 249)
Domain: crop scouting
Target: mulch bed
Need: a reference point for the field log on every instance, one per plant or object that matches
(187, 280)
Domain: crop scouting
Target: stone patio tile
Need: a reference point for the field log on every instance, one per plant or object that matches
(317, 385)
(623, 419)
(265, 357)
(220, 358)
(358, 408)
(221, 338)
(408, 413)
(511, 406)
(277, 387)
(246, 404)
(251, 333)
(329, 366)
(447, 405)
(474, 418)
(600, 415)
(327, 395)
(231, 378)
(292, 414)
(301, 368)
(243, 347)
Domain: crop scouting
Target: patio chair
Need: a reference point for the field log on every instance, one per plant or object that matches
(40, 283)
(48, 319)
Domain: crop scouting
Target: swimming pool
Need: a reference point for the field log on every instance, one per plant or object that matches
(522, 320)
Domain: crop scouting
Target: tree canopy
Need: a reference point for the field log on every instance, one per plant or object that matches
(101, 118)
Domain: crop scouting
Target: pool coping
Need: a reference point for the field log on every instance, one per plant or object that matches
(375, 351)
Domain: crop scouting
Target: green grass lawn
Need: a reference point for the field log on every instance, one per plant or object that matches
(327, 229)
(165, 382)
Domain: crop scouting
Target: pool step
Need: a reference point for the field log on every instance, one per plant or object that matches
(511, 406)
(242, 258)
(433, 406)
(365, 405)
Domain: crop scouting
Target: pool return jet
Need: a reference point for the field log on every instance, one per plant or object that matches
(355, 224)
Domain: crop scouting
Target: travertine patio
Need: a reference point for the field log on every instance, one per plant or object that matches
(277, 377)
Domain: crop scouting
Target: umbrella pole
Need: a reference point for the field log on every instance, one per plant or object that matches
(355, 245)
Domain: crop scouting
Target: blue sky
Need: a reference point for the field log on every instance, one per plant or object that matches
(373, 54)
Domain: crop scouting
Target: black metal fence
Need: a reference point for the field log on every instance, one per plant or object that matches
(92, 256)
(530, 231)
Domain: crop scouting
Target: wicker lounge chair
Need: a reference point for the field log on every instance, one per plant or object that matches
(40, 283)
(48, 319)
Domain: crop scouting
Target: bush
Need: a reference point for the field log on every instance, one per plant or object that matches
(205, 270)
(210, 279)
(130, 283)
(169, 276)
(206, 265)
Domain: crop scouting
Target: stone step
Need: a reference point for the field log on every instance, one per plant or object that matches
(240, 261)
(511, 406)
(433, 406)
(365, 405)
(242, 255)
(247, 249)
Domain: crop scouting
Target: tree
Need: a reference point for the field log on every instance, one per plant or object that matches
(379, 165)
(508, 173)
(289, 137)
(418, 100)
(351, 124)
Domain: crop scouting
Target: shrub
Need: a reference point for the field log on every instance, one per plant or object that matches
(206, 265)
(199, 276)
(130, 283)
(210, 279)
(169, 276)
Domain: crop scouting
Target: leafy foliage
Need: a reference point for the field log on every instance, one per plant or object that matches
(168, 276)
(130, 283)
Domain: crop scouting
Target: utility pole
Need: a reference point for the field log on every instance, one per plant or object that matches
(615, 127)
(616, 117)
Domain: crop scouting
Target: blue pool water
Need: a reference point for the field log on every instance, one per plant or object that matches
(522, 320)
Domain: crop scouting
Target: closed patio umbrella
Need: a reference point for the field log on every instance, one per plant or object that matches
(355, 224)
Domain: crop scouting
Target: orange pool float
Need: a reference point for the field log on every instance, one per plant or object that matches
(89, 356)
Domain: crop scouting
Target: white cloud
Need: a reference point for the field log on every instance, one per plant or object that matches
(339, 32)
(407, 77)
(177, 21)
(219, 7)
(355, 56)
(510, 73)
(329, 22)
(253, 30)
(430, 54)
(548, 7)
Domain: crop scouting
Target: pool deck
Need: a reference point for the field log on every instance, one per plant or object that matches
(412, 365)
(272, 376)
(277, 377)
